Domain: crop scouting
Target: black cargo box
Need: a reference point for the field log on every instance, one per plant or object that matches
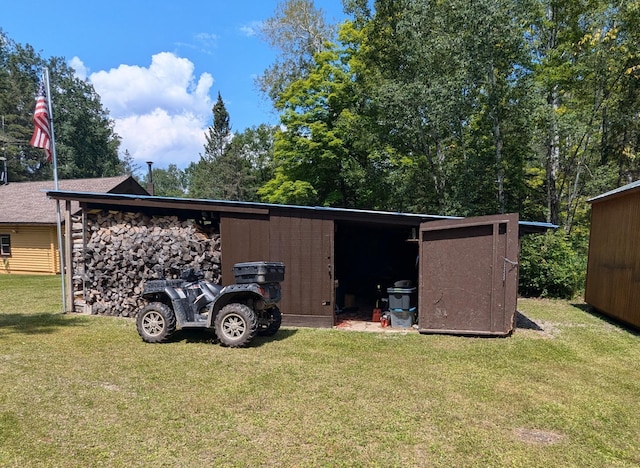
(258, 272)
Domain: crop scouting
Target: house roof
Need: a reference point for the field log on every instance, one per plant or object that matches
(615, 192)
(27, 202)
(197, 205)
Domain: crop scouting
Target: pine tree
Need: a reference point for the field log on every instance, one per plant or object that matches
(219, 134)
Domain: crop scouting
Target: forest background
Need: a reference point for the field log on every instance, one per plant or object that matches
(453, 107)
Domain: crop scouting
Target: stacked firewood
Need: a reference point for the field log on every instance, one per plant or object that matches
(123, 250)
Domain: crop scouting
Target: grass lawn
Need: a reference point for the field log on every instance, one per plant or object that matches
(86, 391)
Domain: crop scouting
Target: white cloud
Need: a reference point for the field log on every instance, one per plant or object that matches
(207, 40)
(161, 112)
(251, 29)
(162, 138)
(79, 67)
(204, 43)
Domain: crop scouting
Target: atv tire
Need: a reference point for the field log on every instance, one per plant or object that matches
(273, 325)
(156, 323)
(236, 325)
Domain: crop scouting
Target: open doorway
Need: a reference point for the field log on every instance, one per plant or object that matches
(369, 258)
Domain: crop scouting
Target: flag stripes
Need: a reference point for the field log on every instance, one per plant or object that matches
(42, 133)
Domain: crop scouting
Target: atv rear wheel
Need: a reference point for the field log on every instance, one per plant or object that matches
(156, 323)
(274, 321)
(236, 325)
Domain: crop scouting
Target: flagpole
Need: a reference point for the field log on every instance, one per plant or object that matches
(45, 76)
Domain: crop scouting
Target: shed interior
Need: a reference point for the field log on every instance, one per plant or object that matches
(369, 258)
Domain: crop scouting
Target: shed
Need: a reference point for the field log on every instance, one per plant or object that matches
(613, 269)
(337, 258)
(28, 237)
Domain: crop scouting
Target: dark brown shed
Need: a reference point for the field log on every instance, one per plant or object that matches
(337, 258)
(613, 270)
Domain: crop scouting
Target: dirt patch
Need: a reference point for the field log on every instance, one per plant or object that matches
(538, 437)
(536, 328)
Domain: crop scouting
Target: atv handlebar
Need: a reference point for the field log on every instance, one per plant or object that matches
(191, 275)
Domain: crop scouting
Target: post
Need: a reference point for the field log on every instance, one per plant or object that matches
(68, 254)
(45, 74)
(4, 179)
(150, 187)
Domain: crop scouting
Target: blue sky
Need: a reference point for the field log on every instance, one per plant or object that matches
(159, 65)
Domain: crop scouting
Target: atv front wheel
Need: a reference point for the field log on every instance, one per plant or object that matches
(156, 323)
(236, 325)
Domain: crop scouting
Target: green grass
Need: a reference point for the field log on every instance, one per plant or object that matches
(86, 391)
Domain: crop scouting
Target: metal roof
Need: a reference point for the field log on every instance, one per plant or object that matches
(193, 204)
(617, 191)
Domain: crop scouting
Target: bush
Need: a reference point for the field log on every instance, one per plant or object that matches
(552, 265)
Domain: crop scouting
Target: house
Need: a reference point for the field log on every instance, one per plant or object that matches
(464, 269)
(28, 235)
(613, 269)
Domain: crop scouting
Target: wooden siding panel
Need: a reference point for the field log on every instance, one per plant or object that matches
(33, 250)
(613, 271)
(243, 239)
(305, 245)
(468, 275)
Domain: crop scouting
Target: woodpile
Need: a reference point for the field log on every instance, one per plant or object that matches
(115, 253)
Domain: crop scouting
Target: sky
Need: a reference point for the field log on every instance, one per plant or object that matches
(158, 66)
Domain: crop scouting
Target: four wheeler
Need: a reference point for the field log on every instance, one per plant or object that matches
(237, 312)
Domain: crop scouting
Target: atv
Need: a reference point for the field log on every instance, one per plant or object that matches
(236, 313)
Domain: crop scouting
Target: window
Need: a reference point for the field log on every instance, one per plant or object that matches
(5, 245)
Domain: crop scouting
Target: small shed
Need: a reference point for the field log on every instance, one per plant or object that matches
(465, 269)
(613, 270)
(28, 235)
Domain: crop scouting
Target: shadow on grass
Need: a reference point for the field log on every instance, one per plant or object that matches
(31, 324)
(208, 336)
(279, 336)
(522, 321)
(605, 318)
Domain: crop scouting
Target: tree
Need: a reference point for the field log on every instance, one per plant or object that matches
(232, 166)
(204, 175)
(297, 31)
(129, 167)
(18, 85)
(86, 140)
(309, 148)
(255, 146)
(444, 86)
(586, 60)
(418, 94)
(170, 182)
(86, 143)
(219, 134)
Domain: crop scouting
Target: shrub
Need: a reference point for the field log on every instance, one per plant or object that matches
(552, 265)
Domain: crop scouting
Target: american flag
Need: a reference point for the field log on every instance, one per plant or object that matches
(42, 133)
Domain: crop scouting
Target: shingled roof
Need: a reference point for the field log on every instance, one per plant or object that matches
(27, 202)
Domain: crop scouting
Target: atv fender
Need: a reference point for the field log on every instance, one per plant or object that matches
(172, 297)
(241, 293)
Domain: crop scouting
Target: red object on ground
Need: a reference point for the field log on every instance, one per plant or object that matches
(377, 314)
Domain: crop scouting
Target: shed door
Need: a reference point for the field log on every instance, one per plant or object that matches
(469, 275)
(305, 245)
